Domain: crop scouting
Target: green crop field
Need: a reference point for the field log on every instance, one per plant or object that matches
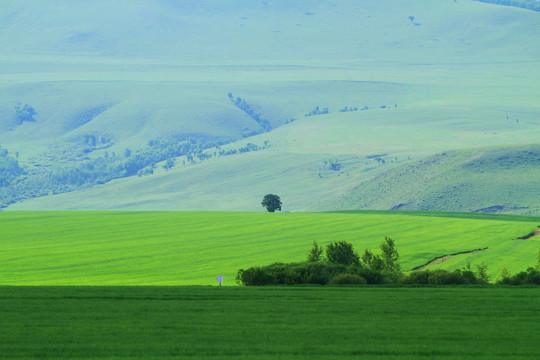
(269, 323)
(191, 248)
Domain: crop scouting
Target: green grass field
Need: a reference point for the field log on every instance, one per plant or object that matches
(191, 248)
(269, 323)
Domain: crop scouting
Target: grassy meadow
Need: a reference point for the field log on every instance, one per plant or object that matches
(191, 248)
(269, 323)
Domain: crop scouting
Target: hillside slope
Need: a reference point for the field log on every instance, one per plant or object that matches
(93, 93)
(503, 179)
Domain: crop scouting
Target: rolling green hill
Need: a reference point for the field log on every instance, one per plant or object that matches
(181, 248)
(97, 78)
(502, 179)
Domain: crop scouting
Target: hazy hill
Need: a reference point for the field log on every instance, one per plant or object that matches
(487, 180)
(101, 77)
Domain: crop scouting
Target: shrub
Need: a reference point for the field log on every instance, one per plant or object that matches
(417, 277)
(343, 279)
(529, 277)
(372, 276)
(254, 276)
(442, 277)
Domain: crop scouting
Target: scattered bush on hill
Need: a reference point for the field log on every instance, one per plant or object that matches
(317, 111)
(25, 113)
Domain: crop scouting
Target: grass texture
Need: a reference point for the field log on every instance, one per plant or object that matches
(191, 248)
(269, 323)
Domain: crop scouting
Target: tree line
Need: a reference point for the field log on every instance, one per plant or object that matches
(339, 263)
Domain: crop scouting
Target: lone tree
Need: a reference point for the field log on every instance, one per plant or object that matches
(271, 202)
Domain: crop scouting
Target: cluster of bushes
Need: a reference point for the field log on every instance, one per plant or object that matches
(317, 111)
(25, 113)
(70, 168)
(531, 276)
(463, 276)
(525, 4)
(342, 265)
(308, 273)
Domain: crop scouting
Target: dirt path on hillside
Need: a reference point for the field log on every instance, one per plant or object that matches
(533, 234)
(445, 258)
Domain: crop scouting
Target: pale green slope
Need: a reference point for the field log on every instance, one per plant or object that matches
(502, 179)
(181, 248)
(294, 166)
(459, 79)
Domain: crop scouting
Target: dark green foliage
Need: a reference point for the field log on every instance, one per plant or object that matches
(390, 256)
(315, 254)
(372, 261)
(481, 273)
(529, 277)
(271, 202)
(444, 277)
(303, 273)
(347, 279)
(341, 252)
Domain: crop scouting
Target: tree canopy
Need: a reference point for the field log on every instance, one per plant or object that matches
(271, 202)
